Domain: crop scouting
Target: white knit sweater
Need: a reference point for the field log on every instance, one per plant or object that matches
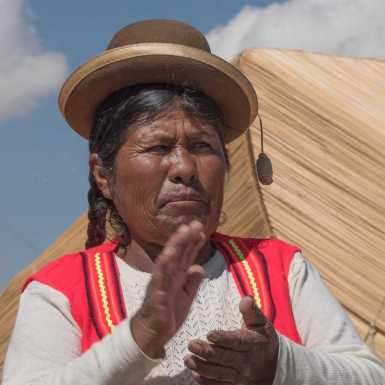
(45, 344)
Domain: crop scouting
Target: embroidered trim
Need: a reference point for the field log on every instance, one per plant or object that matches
(248, 267)
(103, 291)
(92, 306)
(249, 272)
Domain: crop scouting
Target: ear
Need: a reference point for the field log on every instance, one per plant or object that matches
(100, 176)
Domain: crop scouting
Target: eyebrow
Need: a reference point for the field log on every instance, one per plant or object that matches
(155, 135)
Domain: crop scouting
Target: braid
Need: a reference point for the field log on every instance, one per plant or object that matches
(119, 227)
(97, 213)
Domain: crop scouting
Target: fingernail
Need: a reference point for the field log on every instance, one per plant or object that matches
(197, 349)
(213, 337)
(201, 240)
(254, 305)
(196, 376)
(190, 364)
(195, 223)
(183, 228)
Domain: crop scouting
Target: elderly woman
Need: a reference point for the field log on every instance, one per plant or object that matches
(168, 300)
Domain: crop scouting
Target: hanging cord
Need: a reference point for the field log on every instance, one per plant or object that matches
(373, 329)
(261, 127)
(263, 164)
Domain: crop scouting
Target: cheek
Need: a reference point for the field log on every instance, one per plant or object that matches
(213, 171)
(136, 186)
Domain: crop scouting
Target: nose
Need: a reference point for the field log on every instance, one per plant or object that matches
(183, 167)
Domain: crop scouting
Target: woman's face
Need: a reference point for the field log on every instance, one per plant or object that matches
(167, 173)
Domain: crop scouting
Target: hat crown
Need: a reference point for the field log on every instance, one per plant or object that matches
(159, 31)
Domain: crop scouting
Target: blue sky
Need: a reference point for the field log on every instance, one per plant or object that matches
(44, 163)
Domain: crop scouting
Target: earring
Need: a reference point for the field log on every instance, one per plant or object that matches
(263, 164)
(222, 218)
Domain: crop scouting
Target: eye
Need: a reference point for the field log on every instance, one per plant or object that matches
(158, 149)
(202, 146)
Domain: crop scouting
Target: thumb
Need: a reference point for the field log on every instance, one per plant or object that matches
(252, 316)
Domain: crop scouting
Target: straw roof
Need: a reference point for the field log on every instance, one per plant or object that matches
(324, 131)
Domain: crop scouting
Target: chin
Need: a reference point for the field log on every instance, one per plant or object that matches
(186, 219)
(170, 224)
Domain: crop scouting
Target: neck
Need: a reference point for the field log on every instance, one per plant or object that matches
(142, 257)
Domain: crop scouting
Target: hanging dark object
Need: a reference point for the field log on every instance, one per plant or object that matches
(263, 165)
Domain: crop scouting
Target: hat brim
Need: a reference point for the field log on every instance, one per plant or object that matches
(165, 63)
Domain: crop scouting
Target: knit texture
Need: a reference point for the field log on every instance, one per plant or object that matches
(214, 307)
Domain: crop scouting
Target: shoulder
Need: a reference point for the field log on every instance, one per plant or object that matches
(278, 245)
(39, 298)
(66, 272)
(263, 244)
(277, 253)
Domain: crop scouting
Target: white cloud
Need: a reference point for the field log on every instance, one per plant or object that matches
(346, 27)
(27, 72)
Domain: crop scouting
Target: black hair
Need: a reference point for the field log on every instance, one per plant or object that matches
(124, 110)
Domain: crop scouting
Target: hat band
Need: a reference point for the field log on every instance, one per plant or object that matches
(151, 49)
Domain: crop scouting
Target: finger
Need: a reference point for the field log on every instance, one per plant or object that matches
(250, 366)
(216, 354)
(239, 340)
(194, 278)
(207, 381)
(196, 240)
(210, 370)
(169, 258)
(252, 316)
(166, 266)
(196, 229)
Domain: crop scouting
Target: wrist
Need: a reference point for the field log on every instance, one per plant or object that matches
(148, 342)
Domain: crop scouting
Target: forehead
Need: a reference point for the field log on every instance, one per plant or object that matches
(175, 124)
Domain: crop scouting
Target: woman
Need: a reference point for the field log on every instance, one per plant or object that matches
(159, 303)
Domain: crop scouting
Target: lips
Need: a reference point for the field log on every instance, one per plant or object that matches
(181, 197)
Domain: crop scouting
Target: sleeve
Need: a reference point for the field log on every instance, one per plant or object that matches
(332, 351)
(45, 347)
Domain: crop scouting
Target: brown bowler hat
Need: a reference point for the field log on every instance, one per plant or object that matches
(158, 51)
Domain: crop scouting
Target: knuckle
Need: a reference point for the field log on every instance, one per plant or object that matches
(241, 342)
(208, 351)
(253, 340)
(202, 367)
(168, 279)
(163, 274)
(222, 356)
(199, 379)
(169, 250)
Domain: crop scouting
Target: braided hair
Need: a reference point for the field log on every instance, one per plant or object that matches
(123, 111)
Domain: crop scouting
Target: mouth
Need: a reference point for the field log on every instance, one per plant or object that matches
(183, 200)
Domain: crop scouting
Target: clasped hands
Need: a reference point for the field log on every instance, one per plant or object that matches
(246, 356)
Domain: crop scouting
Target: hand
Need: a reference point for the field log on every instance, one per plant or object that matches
(173, 286)
(239, 357)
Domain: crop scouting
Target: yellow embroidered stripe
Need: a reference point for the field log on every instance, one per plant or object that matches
(103, 291)
(249, 273)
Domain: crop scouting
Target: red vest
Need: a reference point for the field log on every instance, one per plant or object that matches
(90, 281)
